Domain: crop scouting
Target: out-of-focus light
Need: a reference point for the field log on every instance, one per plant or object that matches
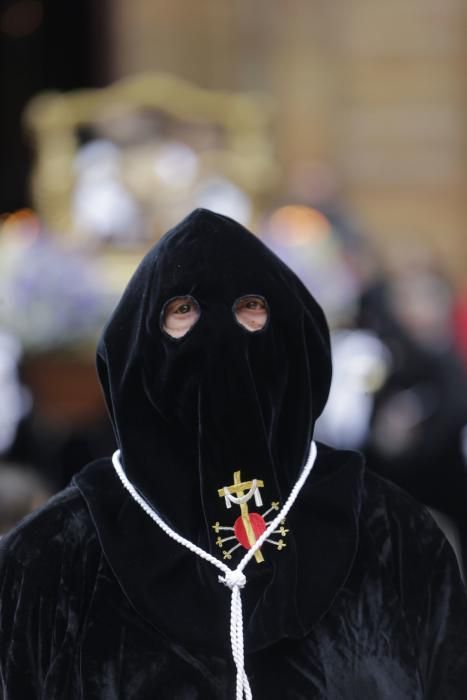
(296, 225)
(15, 401)
(97, 160)
(304, 239)
(223, 197)
(176, 165)
(22, 18)
(361, 365)
(106, 210)
(23, 224)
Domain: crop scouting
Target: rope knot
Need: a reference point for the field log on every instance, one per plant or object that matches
(233, 579)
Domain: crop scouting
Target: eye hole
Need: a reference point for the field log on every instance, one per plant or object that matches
(251, 312)
(179, 315)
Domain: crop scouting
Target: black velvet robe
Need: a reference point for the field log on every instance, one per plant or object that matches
(364, 602)
(72, 625)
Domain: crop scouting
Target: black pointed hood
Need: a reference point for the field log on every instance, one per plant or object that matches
(189, 412)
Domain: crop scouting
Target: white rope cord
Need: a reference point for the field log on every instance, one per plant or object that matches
(234, 579)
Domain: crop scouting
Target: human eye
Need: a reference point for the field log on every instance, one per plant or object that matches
(179, 316)
(251, 312)
(255, 304)
(185, 308)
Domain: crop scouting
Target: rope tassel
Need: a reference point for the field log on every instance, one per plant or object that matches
(234, 579)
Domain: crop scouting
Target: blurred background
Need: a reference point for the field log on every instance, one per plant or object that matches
(337, 131)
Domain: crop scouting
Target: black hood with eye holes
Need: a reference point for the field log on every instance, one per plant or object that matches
(189, 412)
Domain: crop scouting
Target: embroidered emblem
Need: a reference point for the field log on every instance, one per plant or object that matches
(249, 526)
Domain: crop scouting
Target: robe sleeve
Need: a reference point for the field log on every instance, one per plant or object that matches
(43, 598)
(444, 625)
(26, 621)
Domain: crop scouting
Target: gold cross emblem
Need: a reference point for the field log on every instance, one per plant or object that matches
(238, 489)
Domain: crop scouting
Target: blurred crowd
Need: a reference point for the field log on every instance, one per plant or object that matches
(398, 339)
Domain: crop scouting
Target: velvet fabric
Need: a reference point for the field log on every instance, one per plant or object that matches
(71, 628)
(97, 602)
(187, 412)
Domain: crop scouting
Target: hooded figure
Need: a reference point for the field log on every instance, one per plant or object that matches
(215, 366)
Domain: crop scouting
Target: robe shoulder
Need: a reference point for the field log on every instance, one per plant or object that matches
(49, 564)
(410, 546)
(391, 507)
(50, 542)
(399, 524)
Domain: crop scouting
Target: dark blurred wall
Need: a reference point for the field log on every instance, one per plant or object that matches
(44, 45)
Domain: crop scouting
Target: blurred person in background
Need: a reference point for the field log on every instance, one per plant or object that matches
(215, 366)
(399, 391)
(419, 418)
